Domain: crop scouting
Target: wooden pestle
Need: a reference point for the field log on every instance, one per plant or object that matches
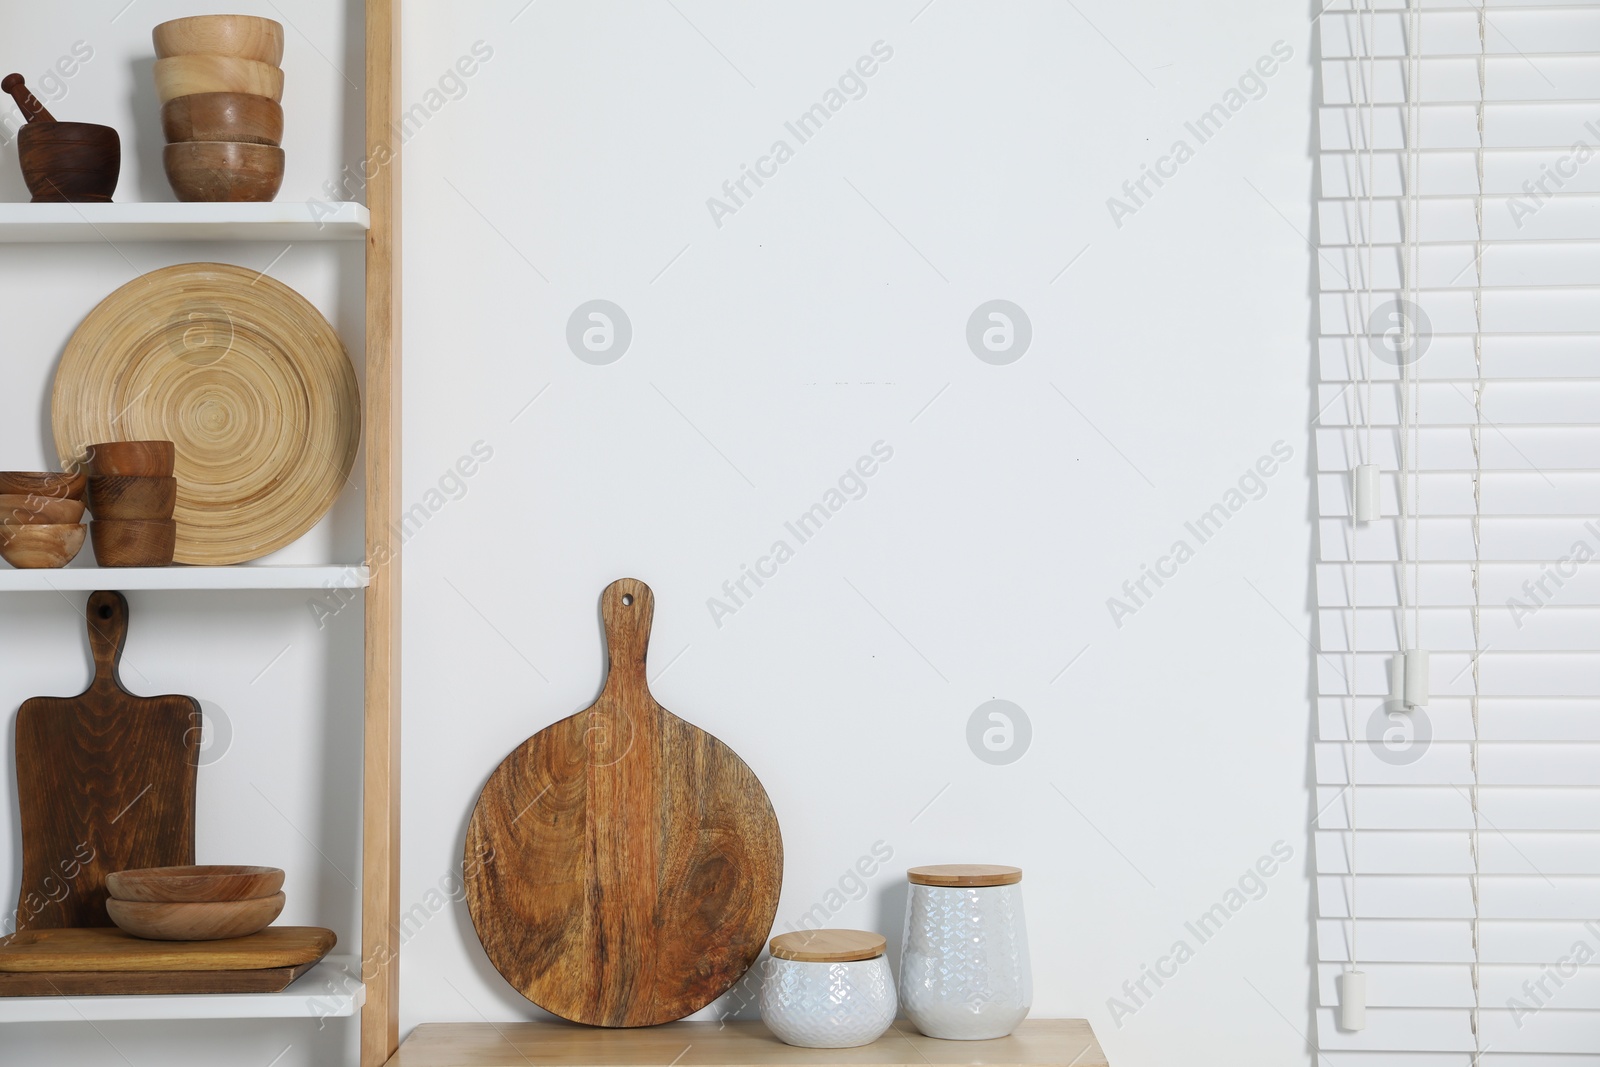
(32, 110)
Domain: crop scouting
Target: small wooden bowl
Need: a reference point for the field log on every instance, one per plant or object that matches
(19, 509)
(237, 117)
(115, 496)
(137, 459)
(240, 36)
(223, 170)
(195, 921)
(44, 483)
(212, 882)
(69, 162)
(188, 75)
(130, 542)
(39, 547)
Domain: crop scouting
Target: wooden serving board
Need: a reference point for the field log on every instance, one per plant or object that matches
(623, 866)
(103, 949)
(105, 782)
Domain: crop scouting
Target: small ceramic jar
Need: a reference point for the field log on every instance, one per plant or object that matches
(964, 971)
(828, 988)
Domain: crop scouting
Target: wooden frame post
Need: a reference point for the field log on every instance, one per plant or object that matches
(380, 824)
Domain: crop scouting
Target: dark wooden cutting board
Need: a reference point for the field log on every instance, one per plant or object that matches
(105, 961)
(623, 866)
(105, 782)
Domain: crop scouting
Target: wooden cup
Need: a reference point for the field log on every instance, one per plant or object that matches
(20, 509)
(116, 496)
(223, 171)
(187, 75)
(237, 117)
(40, 546)
(44, 483)
(139, 459)
(133, 542)
(240, 36)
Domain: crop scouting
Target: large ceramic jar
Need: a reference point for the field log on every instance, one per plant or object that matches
(964, 972)
(828, 988)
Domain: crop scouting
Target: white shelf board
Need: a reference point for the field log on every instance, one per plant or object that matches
(91, 223)
(341, 576)
(308, 997)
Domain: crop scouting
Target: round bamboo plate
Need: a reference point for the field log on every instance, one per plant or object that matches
(244, 376)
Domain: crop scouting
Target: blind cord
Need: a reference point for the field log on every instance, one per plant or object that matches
(1477, 542)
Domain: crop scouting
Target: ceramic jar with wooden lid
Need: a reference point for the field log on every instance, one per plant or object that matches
(828, 988)
(964, 971)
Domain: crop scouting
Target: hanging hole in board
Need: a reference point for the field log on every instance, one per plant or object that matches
(105, 611)
(627, 600)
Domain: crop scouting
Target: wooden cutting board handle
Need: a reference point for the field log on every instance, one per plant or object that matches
(627, 606)
(107, 613)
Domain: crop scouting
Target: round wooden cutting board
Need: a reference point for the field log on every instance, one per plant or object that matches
(623, 866)
(248, 381)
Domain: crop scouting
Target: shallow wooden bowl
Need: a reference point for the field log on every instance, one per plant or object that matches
(20, 509)
(187, 75)
(136, 459)
(44, 483)
(69, 162)
(223, 170)
(115, 496)
(211, 883)
(223, 117)
(38, 547)
(240, 36)
(194, 921)
(133, 542)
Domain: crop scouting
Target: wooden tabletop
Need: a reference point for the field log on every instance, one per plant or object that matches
(1037, 1043)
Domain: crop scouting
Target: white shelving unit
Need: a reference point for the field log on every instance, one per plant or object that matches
(333, 988)
(330, 990)
(113, 223)
(321, 576)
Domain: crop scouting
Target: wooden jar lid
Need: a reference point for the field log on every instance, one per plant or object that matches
(828, 946)
(965, 874)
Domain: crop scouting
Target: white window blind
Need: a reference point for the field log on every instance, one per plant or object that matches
(1476, 844)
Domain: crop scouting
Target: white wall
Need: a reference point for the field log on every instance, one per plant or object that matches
(774, 351)
(281, 783)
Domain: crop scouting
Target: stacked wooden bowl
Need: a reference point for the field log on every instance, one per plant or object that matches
(132, 494)
(195, 903)
(40, 515)
(221, 89)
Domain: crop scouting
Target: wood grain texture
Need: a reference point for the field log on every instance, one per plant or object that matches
(223, 171)
(136, 459)
(118, 497)
(1036, 1043)
(380, 790)
(110, 949)
(244, 376)
(828, 946)
(34, 546)
(207, 882)
(22, 510)
(133, 542)
(187, 75)
(241, 36)
(105, 782)
(623, 866)
(223, 117)
(125, 983)
(44, 483)
(69, 162)
(195, 920)
(964, 874)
